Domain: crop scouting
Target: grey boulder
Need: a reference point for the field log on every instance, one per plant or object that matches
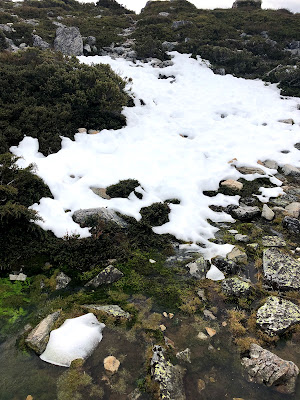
(109, 275)
(69, 41)
(84, 217)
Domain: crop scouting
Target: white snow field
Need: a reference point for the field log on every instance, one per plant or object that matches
(76, 338)
(222, 117)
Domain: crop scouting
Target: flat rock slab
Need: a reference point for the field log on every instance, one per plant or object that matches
(38, 338)
(109, 275)
(281, 270)
(277, 315)
(267, 368)
(113, 310)
(273, 241)
(245, 213)
(236, 287)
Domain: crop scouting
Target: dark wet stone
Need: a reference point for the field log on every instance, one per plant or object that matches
(291, 224)
(281, 270)
(277, 315)
(267, 368)
(109, 275)
(228, 267)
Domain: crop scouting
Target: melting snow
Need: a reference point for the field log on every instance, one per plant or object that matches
(177, 145)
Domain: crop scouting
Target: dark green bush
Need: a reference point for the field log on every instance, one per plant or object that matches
(155, 215)
(122, 188)
(46, 95)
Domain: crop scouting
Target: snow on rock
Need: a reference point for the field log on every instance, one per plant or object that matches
(177, 145)
(76, 338)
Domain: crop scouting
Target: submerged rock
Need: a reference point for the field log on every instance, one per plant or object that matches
(236, 287)
(281, 270)
(113, 310)
(38, 338)
(87, 216)
(109, 275)
(169, 377)
(277, 315)
(267, 368)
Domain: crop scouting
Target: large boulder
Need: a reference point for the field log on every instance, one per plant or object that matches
(38, 338)
(236, 287)
(281, 270)
(277, 315)
(267, 368)
(68, 40)
(291, 224)
(247, 3)
(86, 216)
(169, 377)
(245, 213)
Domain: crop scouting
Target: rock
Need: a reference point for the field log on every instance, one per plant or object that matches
(93, 132)
(87, 48)
(289, 169)
(169, 377)
(208, 314)
(281, 270)
(232, 184)
(62, 280)
(238, 256)
(113, 310)
(179, 24)
(220, 71)
(229, 267)
(91, 40)
(202, 336)
(277, 315)
(288, 121)
(17, 277)
(101, 192)
(38, 338)
(267, 213)
(247, 3)
(272, 164)
(10, 45)
(250, 170)
(184, 355)
(171, 315)
(265, 367)
(169, 46)
(164, 14)
(198, 268)
(39, 42)
(293, 209)
(253, 246)
(135, 395)
(82, 130)
(111, 364)
(211, 332)
(83, 217)
(284, 200)
(162, 327)
(200, 385)
(245, 213)
(109, 275)
(241, 238)
(291, 224)
(6, 28)
(273, 241)
(69, 41)
(29, 397)
(236, 287)
(201, 294)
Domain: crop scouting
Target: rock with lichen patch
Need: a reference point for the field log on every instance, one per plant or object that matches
(236, 287)
(109, 275)
(113, 310)
(273, 241)
(238, 256)
(199, 268)
(281, 270)
(277, 315)
(169, 377)
(265, 367)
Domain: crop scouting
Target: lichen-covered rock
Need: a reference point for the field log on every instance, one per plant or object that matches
(85, 216)
(109, 275)
(291, 224)
(281, 270)
(38, 338)
(277, 315)
(62, 281)
(69, 41)
(169, 377)
(273, 241)
(267, 368)
(199, 268)
(236, 287)
(184, 355)
(113, 310)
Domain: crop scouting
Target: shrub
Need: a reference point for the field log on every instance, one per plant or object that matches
(123, 188)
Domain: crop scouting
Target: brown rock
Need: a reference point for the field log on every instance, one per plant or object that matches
(200, 385)
(111, 364)
(232, 184)
(210, 331)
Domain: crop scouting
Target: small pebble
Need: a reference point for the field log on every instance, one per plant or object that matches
(162, 328)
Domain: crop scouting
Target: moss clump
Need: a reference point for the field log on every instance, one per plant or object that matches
(123, 188)
(155, 215)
